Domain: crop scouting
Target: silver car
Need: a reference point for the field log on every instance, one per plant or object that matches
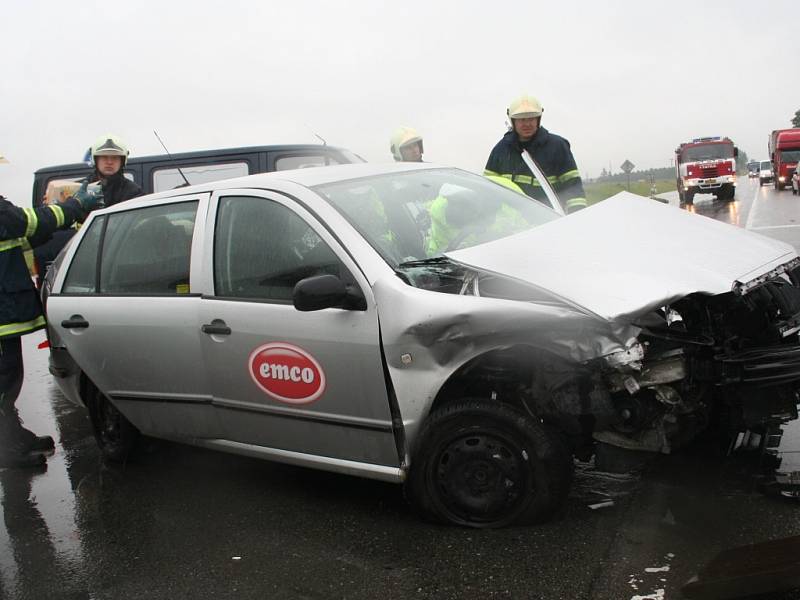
(422, 325)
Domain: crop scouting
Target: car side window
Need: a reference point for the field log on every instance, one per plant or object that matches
(82, 275)
(262, 249)
(146, 251)
(169, 178)
(297, 161)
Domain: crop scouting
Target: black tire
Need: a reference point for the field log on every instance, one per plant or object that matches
(486, 464)
(116, 436)
(730, 195)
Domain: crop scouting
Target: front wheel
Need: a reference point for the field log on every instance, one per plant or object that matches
(487, 464)
(116, 436)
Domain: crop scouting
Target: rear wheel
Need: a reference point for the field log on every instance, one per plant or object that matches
(116, 436)
(486, 464)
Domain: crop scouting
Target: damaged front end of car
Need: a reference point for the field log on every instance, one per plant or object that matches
(729, 361)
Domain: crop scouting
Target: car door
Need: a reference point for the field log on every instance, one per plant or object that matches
(126, 313)
(310, 383)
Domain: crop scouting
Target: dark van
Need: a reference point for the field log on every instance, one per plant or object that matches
(160, 172)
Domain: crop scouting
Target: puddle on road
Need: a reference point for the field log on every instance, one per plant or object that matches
(41, 539)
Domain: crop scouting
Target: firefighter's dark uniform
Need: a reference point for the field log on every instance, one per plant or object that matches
(21, 312)
(117, 188)
(554, 157)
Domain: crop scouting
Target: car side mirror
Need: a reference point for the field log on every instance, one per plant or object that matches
(326, 291)
(735, 152)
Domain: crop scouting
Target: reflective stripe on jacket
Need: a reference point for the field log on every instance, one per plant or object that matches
(553, 155)
(20, 229)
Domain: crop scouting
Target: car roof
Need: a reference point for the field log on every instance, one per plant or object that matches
(308, 177)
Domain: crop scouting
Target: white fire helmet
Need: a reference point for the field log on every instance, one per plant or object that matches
(525, 107)
(109, 145)
(404, 136)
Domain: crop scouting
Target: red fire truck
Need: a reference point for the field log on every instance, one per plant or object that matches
(784, 152)
(706, 166)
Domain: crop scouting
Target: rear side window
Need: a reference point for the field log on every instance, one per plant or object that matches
(170, 178)
(262, 249)
(143, 252)
(82, 274)
(283, 163)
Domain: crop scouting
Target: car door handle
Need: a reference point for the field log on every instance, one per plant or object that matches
(216, 327)
(75, 322)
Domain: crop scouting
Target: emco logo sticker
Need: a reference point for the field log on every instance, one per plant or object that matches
(287, 373)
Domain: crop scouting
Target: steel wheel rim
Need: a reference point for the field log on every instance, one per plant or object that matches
(482, 477)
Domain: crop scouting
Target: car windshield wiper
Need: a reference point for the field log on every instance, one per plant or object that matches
(423, 262)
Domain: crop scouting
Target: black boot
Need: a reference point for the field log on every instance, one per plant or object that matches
(33, 442)
(14, 452)
(38, 443)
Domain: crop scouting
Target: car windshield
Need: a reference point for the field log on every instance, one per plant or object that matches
(765, 165)
(708, 152)
(413, 216)
(789, 156)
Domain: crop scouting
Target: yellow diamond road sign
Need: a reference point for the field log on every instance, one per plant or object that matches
(627, 166)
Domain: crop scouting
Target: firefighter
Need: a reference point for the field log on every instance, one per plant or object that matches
(21, 312)
(109, 154)
(549, 151)
(406, 145)
(459, 217)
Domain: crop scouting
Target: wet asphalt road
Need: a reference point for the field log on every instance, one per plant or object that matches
(187, 523)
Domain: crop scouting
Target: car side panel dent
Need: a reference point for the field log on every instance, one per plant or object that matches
(428, 336)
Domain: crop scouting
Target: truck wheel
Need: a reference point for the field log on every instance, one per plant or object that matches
(485, 464)
(730, 194)
(116, 436)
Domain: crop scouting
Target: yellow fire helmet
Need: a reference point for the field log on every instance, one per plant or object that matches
(404, 136)
(525, 107)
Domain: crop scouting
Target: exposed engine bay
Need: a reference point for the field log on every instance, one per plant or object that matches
(732, 361)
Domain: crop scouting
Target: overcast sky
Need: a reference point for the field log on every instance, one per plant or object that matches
(624, 80)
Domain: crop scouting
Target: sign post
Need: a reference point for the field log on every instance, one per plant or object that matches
(627, 167)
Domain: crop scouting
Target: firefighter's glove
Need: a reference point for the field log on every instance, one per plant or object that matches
(89, 198)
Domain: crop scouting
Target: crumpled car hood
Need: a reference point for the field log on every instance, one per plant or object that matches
(629, 255)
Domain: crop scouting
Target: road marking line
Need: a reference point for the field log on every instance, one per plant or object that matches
(774, 227)
(752, 214)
